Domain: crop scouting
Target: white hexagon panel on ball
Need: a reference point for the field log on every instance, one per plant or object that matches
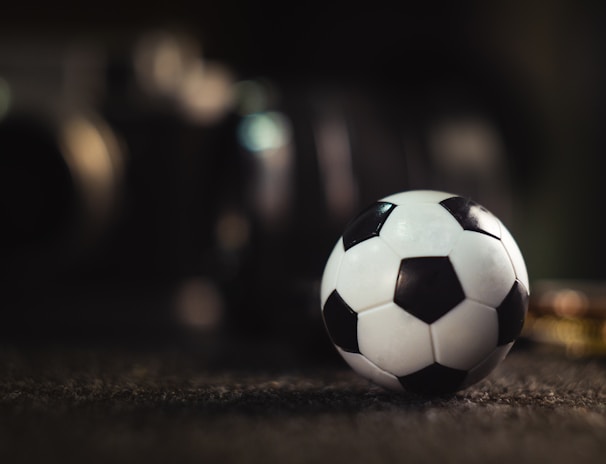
(466, 335)
(484, 268)
(394, 340)
(367, 275)
(429, 231)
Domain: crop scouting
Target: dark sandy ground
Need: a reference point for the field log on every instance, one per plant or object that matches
(100, 405)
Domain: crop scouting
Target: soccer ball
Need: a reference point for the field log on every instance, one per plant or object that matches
(425, 291)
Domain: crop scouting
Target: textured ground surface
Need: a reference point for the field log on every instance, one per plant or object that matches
(64, 405)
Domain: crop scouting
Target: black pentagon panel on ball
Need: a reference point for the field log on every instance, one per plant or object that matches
(512, 312)
(472, 216)
(428, 287)
(367, 224)
(341, 322)
(434, 380)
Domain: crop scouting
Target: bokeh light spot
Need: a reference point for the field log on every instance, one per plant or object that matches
(262, 132)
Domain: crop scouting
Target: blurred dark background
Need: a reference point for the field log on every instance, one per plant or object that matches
(178, 173)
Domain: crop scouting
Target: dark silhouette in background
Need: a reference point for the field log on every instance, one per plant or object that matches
(181, 172)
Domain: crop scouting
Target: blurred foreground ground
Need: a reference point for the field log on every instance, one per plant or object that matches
(123, 406)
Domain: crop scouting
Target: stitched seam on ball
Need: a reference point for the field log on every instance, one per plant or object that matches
(433, 348)
(390, 247)
(338, 271)
(374, 309)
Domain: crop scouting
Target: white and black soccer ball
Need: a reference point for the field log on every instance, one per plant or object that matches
(425, 291)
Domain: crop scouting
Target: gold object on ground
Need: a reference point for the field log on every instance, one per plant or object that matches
(570, 314)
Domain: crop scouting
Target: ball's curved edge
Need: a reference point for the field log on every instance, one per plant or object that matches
(484, 368)
(331, 272)
(515, 255)
(364, 367)
(419, 196)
